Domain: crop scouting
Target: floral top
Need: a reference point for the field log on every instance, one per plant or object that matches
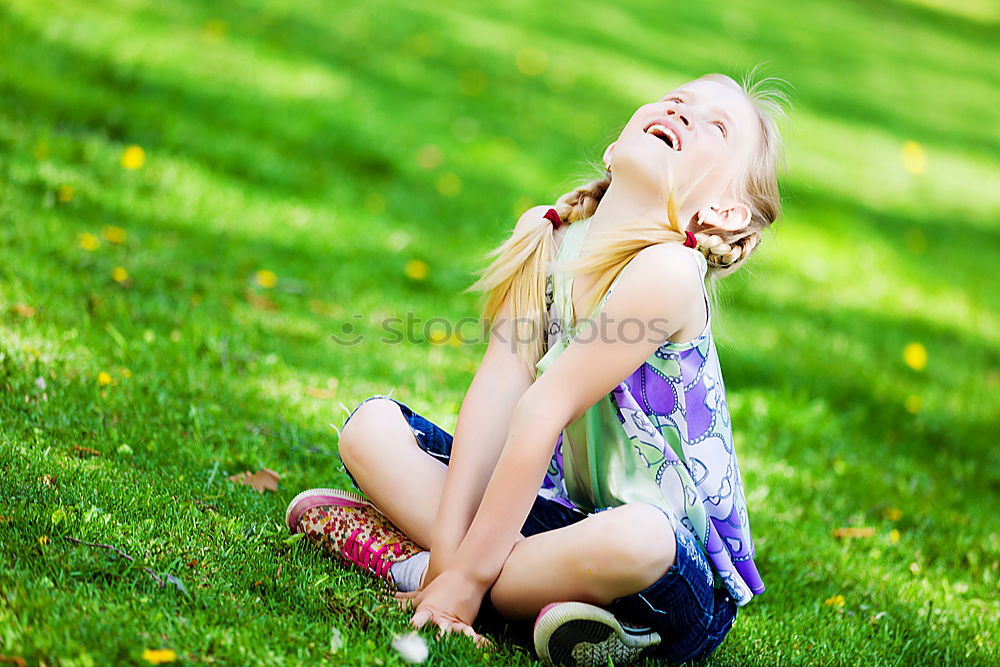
(662, 436)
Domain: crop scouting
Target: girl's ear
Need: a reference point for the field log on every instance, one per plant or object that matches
(732, 219)
(607, 154)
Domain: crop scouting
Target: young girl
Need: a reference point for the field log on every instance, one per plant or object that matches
(592, 481)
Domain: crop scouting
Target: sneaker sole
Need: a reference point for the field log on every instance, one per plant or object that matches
(575, 633)
(311, 498)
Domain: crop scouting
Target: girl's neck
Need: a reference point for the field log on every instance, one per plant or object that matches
(623, 202)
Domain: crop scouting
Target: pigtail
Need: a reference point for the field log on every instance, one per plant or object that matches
(520, 266)
(517, 274)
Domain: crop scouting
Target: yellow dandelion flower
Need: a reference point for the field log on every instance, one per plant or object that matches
(88, 241)
(915, 356)
(416, 269)
(159, 656)
(65, 193)
(119, 274)
(429, 156)
(532, 61)
(894, 536)
(835, 601)
(449, 184)
(912, 404)
(133, 158)
(43, 540)
(893, 514)
(113, 234)
(436, 336)
(103, 379)
(913, 157)
(266, 278)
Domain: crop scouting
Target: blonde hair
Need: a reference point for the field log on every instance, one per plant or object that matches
(519, 270)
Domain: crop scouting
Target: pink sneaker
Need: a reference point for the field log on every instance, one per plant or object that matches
(576, 633)
(347, 526)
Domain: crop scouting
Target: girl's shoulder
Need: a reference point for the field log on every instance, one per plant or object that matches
(667, 267)
(669, 276)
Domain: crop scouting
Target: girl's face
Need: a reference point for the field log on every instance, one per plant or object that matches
(701, 133)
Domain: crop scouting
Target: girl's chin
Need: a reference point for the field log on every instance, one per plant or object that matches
(649, 167)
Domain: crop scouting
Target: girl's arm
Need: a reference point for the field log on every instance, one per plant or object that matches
(654, 297)
(482, 425)
(483, 421)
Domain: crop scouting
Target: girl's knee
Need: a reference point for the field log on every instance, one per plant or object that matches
(633, 541)
(360, 433)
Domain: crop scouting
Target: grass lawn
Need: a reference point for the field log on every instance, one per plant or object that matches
(311, 168)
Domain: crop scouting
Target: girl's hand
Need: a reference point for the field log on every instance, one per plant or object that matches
(450, 602)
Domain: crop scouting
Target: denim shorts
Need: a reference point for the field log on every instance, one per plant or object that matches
(691, 614)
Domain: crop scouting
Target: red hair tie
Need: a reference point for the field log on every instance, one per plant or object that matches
(553, 217)
(690, 241)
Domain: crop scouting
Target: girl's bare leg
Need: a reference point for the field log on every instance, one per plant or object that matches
(606, 556)
(401, 479)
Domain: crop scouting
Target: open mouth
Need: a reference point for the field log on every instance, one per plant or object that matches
(665, 134)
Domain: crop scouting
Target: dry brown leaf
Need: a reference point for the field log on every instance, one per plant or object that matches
(259, 302)
(85, 451)
(263, 480)
(23, 309)
(853, 533)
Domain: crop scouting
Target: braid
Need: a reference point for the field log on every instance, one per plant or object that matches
(727, 251)
(518, 271)
(581, 202)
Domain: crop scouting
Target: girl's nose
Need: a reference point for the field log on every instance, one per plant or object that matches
(683, 117)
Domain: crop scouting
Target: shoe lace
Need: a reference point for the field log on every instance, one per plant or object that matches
(367, 556)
